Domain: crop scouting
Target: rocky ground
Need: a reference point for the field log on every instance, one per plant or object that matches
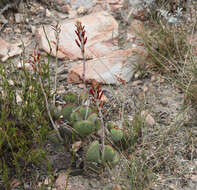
(109, 55)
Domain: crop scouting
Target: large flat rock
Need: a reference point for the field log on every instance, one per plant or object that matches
(8, 50)
(107, 61)
(100, 27)
(106, 69)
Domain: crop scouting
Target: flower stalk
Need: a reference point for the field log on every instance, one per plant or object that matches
(81, 41)
(97, 94)
(35, 63)
(57, 30)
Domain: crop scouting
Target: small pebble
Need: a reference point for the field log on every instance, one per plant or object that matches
(48, 13)
(18, 18)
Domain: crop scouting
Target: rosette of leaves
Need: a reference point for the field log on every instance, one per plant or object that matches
(115, 159)
(71, 97)
(79, 114)
(111, 156)
(116, 134)
(67, 111)
(93, 117)
(93, 153)
(84, 111)
(74, 117)
(84, 127)
(109, 153)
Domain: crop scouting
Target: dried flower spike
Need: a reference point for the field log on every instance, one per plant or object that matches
(96, 93)
(81, 41)
(80, 32)
(35, 62)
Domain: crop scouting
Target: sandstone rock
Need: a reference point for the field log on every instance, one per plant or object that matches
(3, 19)
(72, 14)
(62, 5)
(61, 181)
(113, 5)
(107, 69)
(48, 13)
(116, 187)
(18, 18)
(81, 10)
(62, 2)
(85, 3)
(108, 62)
(97, 8)
(65, 8)
(8, 50)
(99, 27)
(148, 118)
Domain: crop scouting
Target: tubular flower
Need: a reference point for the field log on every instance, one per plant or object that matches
(34, 60)
(96, 93)
(80, 32)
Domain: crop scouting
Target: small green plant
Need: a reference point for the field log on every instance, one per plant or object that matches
(93, 153)
(109, 153)
(66, 112)
(116, 134)
(84, 127)
(93, 117)
(71, 98)
(84, 111)
(74, 117)
(22, 110)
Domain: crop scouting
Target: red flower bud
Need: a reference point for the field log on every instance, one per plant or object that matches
(83, 34)
(77, 32)
(77, 43)
(101, 94)
(85, 40)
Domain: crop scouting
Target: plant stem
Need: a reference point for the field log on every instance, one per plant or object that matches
(84, 71)
(102, 132)
(48, 110)
(57, 31)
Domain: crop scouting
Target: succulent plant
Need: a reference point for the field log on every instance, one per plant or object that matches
(79, 115)
(94, 118)
(67, 111)
(93, 152)
(71, 98)
(83, 109)
(74, 117)
(109, 153)
(116, 159)
(84, 127)
(116, 134)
